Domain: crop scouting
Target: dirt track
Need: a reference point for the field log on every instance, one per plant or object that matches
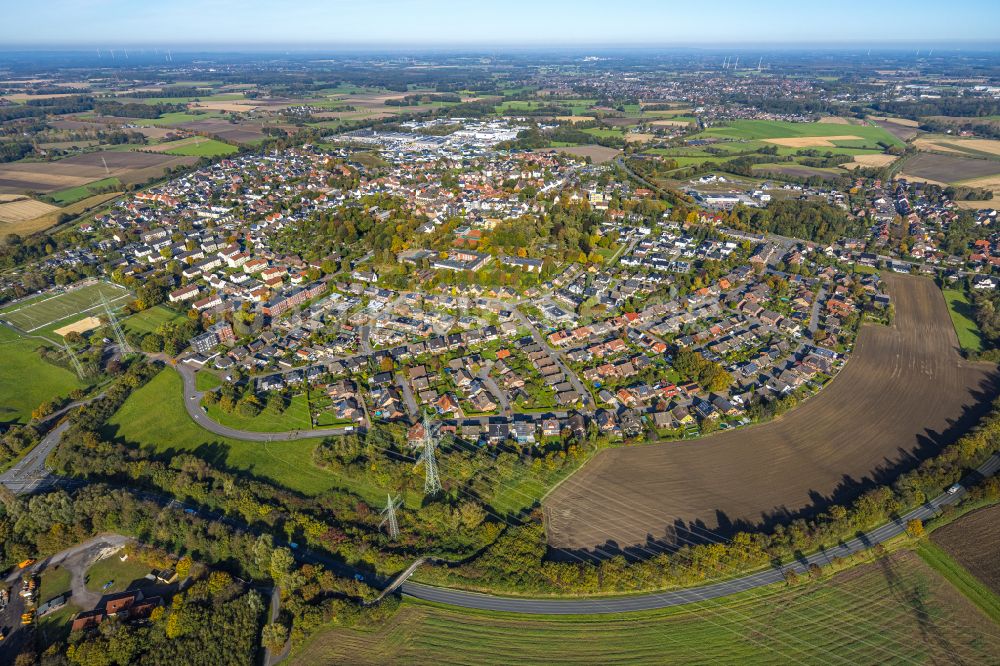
(904, 394)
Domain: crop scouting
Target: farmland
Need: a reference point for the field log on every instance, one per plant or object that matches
(22, 209)
(801, 135)
(128, 167)
(599, 154)
(897, 610)
(80, 192)
(51, 218)
(950, 168)
(904, 394)
(974, 541)
(203, 148)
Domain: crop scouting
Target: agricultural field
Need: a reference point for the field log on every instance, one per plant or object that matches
(20, 361)
(51, 218)
(201, 147)
(949, 168)
(960, 309)
(898, 610)
(974, 541)
(17, 209)
(168, 430)
(63, 307)
(987, 148)
(128, 167)
(224, 130)
(904, 394)
(599, 154)
(80, 192)
(804, 135)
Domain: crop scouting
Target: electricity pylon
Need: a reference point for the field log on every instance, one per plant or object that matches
(116, 327)
(432, 482)
(389, 516)
(75, 361)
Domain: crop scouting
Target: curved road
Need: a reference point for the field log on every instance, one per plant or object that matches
(192, 403)
(655, 600)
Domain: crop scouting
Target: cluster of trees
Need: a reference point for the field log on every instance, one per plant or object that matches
(232, 400)
(536, 139)
(39, 108)
(214, 621)
(708, 374)
(11, 151)
(135, 109)
(424, 98)
(564, 232)
(948, 105)
(169, 337)
(810, 220)
(16, 441)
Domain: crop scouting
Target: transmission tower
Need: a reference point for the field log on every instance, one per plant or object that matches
(432, 482)
(389, 516)
(116, 327)
(75, 361)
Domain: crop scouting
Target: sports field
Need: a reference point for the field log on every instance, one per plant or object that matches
(903, 395)
(61, 308)
(896, 611)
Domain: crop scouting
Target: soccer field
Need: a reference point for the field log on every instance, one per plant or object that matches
(50, 309)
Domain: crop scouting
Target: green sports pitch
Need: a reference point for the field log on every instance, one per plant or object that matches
(74, 303)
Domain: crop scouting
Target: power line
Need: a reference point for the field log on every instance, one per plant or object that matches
(116, 328)
(389, 516)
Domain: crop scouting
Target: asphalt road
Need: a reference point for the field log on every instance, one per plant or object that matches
(192, 403)
(657, 600)
(30, 474)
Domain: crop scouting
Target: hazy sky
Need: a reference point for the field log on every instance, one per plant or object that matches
(332, 23)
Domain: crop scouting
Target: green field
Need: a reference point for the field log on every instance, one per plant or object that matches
(154, 417)
(222, 97)
(896, 611)
(775, 129)
(149, 320)
(204, 148)
(27, 381)
(176, 118)
(605, 133)
(959, 576)
(120, 574)
(80, 192)
(206, 381)
(960, 307)
(61, 308)
(295, 417)
(54, 581)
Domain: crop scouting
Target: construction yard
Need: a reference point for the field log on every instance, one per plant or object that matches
(904, 393)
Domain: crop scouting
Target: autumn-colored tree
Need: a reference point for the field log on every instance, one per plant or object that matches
(915, 528)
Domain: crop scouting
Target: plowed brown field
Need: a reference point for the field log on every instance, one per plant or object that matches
(974, 540)
(904, 393)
